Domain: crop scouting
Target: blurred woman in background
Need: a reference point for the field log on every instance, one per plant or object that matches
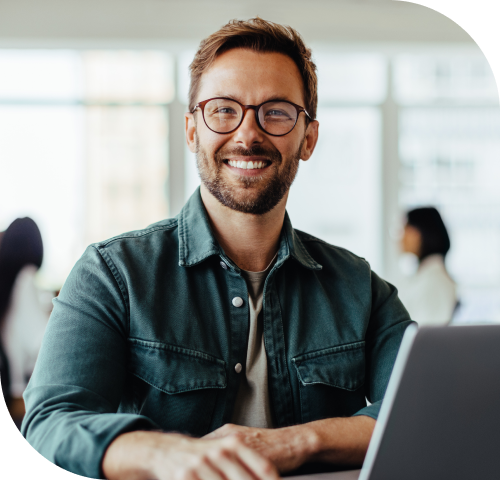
(429, 295)
(22, 318)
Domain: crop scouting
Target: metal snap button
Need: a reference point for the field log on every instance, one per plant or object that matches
(223, 265)
(238, 368)
(237, 301)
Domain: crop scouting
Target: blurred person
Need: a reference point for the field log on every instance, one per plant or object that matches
(430, 294)
(22, 317)
(221, 343)
(4, 364)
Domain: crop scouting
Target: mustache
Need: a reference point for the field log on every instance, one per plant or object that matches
(271, 154)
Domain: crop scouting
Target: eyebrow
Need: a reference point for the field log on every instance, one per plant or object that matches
(274, 98)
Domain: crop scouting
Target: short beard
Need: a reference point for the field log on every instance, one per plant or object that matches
(271, 194)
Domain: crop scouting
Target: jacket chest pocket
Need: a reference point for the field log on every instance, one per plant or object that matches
(176, 387)
(331, 381)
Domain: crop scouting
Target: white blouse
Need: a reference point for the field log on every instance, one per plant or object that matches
(23, 328)
(430, 295)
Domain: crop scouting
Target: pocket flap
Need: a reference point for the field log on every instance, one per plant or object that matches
(173, 369)
(341, 367)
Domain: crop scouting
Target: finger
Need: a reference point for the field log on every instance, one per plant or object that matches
(206, 471)
(229, 465)
(260, 467)
(221, 432)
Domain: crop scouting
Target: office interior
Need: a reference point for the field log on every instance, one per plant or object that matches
(92, 98)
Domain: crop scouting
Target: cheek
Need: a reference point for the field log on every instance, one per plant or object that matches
(209, 141)
(287, 149)
(294, 145)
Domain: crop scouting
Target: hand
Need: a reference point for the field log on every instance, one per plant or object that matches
(159, 456)
(221, 459)
(287, 448)
(340, 441)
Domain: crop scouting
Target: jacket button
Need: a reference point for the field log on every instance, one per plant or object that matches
(237, 302)
(223, 265)
(238, 367)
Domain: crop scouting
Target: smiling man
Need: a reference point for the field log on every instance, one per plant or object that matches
(221, 344)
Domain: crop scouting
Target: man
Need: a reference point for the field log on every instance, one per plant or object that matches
(221, 344)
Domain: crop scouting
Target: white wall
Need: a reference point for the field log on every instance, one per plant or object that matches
(24, 22)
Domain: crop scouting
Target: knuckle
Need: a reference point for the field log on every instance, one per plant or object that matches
(236, 440)
(202, 460)
(238, 437)
(221, 454)
(268, 467)
(190, 473)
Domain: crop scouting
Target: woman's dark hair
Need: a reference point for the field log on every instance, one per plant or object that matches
(20, 245)
(429, 223)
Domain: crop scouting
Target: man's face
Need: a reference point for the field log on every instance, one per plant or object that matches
(223, 160)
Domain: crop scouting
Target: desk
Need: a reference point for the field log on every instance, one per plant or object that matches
(347, 475)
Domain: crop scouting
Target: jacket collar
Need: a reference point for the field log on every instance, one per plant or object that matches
(291, 245)
(197, 242)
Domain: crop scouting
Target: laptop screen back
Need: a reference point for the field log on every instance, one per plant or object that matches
(443, 420)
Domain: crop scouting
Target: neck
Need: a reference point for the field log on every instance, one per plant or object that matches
(250, 241)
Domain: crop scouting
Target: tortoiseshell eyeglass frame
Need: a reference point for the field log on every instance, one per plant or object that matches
(255, 108)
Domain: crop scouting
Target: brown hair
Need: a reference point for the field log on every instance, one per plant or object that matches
(262, 36)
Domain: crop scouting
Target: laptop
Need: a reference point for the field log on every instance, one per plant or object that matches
(440, 418)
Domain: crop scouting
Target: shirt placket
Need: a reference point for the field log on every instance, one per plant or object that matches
(238, 307)
(280, 389)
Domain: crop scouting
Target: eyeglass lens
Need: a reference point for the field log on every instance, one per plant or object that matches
(276, 118)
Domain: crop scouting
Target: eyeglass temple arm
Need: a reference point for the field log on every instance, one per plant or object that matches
(195, 107)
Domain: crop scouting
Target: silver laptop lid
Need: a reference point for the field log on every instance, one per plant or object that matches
(440, 418)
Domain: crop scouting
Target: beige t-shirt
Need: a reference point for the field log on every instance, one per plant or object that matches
(252, 407)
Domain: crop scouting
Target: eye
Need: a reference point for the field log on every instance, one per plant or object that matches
(226, 111)
(276, 113)
(222, 111)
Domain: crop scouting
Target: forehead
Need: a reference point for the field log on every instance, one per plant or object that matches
(252, 77)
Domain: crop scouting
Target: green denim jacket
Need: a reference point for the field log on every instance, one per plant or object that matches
(144, 335)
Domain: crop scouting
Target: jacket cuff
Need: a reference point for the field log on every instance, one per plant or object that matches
(83, 450)
(370, 410)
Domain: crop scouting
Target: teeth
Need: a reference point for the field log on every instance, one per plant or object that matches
(246, 165)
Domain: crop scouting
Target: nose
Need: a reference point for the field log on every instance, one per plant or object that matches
(249, 132)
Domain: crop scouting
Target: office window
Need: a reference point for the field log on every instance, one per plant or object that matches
(429, 78)
(83, 146)
(336, 195)
(351, 77)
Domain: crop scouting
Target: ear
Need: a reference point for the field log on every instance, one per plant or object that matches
(311, 139)
(190, 131)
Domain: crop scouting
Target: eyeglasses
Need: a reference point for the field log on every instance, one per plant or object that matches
(275, 117)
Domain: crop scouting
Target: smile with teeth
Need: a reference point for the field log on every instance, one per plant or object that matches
(247, 165)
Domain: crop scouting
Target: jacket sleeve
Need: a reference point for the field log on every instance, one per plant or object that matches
(75, 390)
(388, 322)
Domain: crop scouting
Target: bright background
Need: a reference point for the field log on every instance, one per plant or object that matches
(92, 96)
